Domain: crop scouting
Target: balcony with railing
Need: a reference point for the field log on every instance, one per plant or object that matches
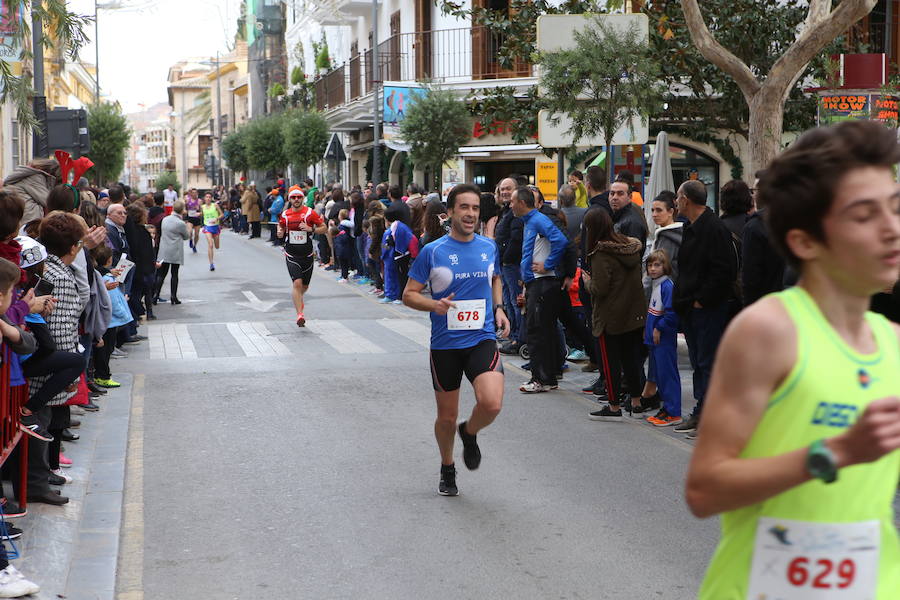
(445, 56)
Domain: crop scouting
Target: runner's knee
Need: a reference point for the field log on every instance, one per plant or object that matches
(491, 406)
(447, 412)
(447, 419)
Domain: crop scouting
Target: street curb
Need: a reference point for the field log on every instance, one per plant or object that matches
(130, 582)
(72, 551)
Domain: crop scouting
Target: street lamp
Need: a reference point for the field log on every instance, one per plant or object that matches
(180, 117)
(217, 130)
(96, 55)
(376, 119)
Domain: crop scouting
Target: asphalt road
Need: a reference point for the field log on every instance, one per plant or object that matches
(286, 463)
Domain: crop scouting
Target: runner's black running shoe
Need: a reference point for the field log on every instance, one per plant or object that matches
(471, 452)
(447, 486)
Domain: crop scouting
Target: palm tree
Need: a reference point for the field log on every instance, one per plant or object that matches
(198, 116)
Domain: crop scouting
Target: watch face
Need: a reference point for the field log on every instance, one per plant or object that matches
(819, 463)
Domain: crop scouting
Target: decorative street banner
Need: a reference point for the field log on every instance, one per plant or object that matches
(885, 109)
(834, 108)
(397, 99)
(10, 22)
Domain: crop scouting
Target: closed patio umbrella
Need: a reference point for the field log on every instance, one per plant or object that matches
(660, 177)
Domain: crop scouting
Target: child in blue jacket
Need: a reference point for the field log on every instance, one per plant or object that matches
(399, 248)
(121, 316)
(661, 338)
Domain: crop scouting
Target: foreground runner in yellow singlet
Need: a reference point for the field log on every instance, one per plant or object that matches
(797, 447)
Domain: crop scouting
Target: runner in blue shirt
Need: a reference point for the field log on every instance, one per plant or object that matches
(466, 308)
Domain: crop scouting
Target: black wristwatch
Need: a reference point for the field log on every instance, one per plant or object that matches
(821, 463)
(500, 306)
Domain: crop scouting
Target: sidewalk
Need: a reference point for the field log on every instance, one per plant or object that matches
(574, 380)
(71, 551)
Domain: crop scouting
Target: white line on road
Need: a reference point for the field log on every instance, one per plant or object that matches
(411, 330)
(255, 303)
(185, 343)
(170, 340)
(342, 338)
(256, 340)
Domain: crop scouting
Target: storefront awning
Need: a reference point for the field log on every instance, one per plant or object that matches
(523, 148)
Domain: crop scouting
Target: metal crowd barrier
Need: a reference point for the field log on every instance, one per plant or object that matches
(11, 399)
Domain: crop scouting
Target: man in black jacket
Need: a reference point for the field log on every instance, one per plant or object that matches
(706, 275)
(396, 196)
(627, 218)
(598, 199)
(508, 236)
(762, 269)
(598, 196)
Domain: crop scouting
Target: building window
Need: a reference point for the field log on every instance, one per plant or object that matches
(16, 151)
(204, 144)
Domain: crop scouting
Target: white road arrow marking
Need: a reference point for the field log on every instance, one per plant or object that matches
(255, 303)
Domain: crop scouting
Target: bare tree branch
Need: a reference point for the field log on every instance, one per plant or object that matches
(813, 39)
(717, 54)
(766, 99)
(818, 12)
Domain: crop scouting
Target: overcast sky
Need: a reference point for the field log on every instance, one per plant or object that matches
(139, 44)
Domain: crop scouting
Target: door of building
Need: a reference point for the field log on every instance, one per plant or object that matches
(488, 174)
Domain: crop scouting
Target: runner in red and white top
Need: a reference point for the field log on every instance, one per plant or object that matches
(296, 227)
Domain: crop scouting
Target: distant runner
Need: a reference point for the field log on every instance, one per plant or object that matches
(212, 217)
(192, 204)
(798, 445)
(296, 227)
(466, 307)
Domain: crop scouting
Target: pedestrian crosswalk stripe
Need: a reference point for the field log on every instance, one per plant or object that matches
(171, 340)
(342, 338)
(256, 340)
(197, 341)
(417, 332)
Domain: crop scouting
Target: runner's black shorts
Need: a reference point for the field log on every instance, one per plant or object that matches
(300, 268)
(195, 221)
(448, 366)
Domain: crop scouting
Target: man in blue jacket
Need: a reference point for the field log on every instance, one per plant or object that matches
(543, 246)
(508, 236)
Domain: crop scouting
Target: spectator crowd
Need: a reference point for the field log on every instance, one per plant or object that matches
(595, 278)
(80, 269)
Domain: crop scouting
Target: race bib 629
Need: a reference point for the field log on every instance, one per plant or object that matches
(801, 560)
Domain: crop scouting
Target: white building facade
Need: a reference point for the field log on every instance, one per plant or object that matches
(192, 138)
(417, 42)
